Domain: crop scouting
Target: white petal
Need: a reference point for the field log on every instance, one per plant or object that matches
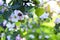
(11, 29)
(21, 17)
(1, 2)
(8, 37)
(3, 34)
(46, 36)
(4, 22)
(57, 20)
(45, 15)
(7, 1)
(40, 37)
(8, 25)
(31, 36)
(26, 16)
(17, 11)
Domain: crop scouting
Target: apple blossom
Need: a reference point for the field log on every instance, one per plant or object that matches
(57, 20)
(10, 26)
(31, 36)
(8, 37)
(44, 15)
(1, 2)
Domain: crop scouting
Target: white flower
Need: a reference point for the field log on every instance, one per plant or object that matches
(3, 9)
(10, 26)
(30, 4)
(3, 34)
(54, 7)
(4, 22)
(16, 12)
(5, 5)
(26, 29)
(45, 15)
(24, 39)
(30, 26)
(8, 37)
(57, 20)
(22, 29)
(19, 14)
(1, 2)
(31, 36)
(40, 37)
(26, 16)
(7, 1)
(46, 0)
(21, 17)
(18, 37)
(33, 30)
(13, 18)
(41, 2)
(58, 0)
(46, 36)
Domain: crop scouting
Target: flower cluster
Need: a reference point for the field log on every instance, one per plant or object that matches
(16, 15)
(25, 19)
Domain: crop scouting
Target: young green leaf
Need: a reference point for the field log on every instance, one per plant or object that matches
(39, 11)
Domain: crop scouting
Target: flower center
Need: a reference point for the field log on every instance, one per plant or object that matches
(19, 14)
(15, 17)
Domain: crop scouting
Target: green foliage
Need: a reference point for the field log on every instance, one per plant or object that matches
(1, 7)
(29, 26)
(36, 2)
(1, 29)
(1, 18)
(17, 23)
(39, 11)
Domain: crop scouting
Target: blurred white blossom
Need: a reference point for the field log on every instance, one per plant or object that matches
(44, 15)
(31, 36)
(19, 14)
(54, 7)
(57, 0)
(47, 36)
(30, 4)
(24, 38)
(10, 26)
(4, 22)
(3, 9)
(33, 30)
(1, 2)
(40, 37)
(41, 2)
(26, 16)
(46, 0)
(2, 34)
(18, 37)
(57, 20)
(7, 1)
(13, 18)
(8, 37)
(16, 15)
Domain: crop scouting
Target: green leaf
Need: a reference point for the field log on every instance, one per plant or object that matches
(39, 11)
(16, 6)
(36, 2)
(38, 30)
(7, 14)
(32, 10)
(1, 19)
(1, 7)
(17, 23)
(1, 29)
